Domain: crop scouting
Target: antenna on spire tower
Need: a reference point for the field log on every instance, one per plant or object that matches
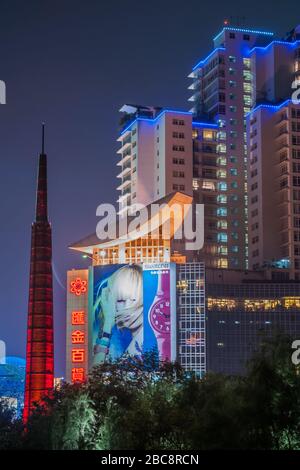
(43, 138)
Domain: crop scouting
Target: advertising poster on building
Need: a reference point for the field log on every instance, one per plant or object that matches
(116, 316)
(158, 309)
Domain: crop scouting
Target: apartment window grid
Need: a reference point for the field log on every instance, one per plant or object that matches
(191, 342)
(235, 332)
(142, 250)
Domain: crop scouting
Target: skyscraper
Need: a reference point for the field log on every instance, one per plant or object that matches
(39, 350)
(274, 159)
(156, 155)
(222, 93)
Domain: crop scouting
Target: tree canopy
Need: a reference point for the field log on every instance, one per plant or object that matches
(133, 405)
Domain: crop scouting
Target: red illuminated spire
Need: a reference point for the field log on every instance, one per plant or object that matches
(39, 350)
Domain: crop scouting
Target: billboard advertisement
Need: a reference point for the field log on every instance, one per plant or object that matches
(159, 309)
(116, 325)
(132, 311)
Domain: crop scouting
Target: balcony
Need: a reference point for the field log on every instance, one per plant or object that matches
(126, 144)
(283, 132)
(124, 159)
(126, 169)
(282, 118)
(124, 184)
(282, 145)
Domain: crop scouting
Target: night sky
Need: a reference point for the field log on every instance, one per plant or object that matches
(73, 64)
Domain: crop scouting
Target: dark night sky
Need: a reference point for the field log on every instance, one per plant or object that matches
(73, 64)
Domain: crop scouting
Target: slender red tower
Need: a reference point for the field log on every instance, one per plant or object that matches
(40, 350)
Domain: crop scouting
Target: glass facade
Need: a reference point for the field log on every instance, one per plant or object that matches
(240, 316)
(191, 337)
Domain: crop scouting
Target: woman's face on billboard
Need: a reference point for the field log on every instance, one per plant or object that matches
(124, 304)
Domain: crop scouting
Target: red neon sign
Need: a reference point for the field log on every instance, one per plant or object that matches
(78, 374)
(78, 286)
(78, 337)
(77, 355)
(78, 318)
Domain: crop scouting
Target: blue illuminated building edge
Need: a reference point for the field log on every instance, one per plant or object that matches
(202, 62)
(270, 106)
(205, 124)
(187, 113)
(241, 30)
(264, 48)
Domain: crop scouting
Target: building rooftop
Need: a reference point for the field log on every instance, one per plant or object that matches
(158, 212)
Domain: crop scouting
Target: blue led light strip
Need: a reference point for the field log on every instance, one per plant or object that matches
(270, 106)
(202, 62)
(285, 43)
(205, 124)
(153, 120)
(239, 30)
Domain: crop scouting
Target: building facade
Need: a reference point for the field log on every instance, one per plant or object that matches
(156, 155)
(237, 152)
(242, 310)
(138, 295)
(273, 133)
(222, 93)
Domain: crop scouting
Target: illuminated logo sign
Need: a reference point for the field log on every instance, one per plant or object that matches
(78, 318)
(2, 92)
(78, 286)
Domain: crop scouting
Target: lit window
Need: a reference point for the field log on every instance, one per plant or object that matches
(208, 135)
(222, 237)
(222, 211)
(221, 173)
(221, 148)
(222, 263)
(208, 185)
(222, 161)
(222, 224)
(222, 186)
(222, 199)
(222, 250)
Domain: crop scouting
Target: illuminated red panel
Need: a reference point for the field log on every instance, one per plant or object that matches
(78, 286)
(78, 337)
